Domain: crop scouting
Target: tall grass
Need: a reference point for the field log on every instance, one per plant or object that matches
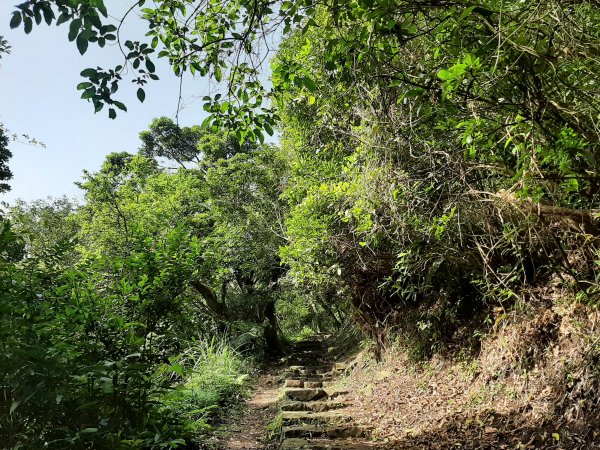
(212, 377)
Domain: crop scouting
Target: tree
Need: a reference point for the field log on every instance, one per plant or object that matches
(197, 38)
(425, 138)
(5, 155)
(229, 209)
(166, 139)
(45, 224)
(222, 41)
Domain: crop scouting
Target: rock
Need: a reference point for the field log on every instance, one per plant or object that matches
(305, 395)
(335, 432)
(328, 418)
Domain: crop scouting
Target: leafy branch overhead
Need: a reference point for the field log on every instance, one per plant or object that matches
(214, 39)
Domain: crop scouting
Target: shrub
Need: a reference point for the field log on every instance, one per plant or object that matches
(212, 376)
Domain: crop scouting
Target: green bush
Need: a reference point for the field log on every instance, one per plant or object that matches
(212, 376)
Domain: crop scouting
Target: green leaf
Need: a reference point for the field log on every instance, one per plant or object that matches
(14, 406)
(88, 93)
(48, 14)
(268, 129)
(74, 29)
(120, 105)
(82, 43)
(88, 73)
(466, 13)
(62, 19)
(150, 66)
(37, 14)
(141, 95)
(16, 20)
(414, 92)
(101, 8)
(84, 85)
(445, 75)
(178, 369)
(218, 73)
(309, 84)
(260, 135)
(112, 114)
(27, 24)
(206, 122)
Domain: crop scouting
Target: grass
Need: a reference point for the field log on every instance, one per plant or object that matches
(214, 378)
(273, 428)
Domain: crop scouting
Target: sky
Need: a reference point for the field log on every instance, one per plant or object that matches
(38, 97)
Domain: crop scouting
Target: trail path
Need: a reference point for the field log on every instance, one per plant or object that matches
(401, 408)
(260, 410)
(315, 414)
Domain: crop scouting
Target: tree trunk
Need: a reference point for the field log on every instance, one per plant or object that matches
(270, 329)
(212, 301)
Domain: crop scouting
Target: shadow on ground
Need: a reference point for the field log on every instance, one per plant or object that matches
(498, 431)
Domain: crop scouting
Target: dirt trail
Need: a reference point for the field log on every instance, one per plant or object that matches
(260, 409)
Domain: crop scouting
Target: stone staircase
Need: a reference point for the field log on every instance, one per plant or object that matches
(313, 413)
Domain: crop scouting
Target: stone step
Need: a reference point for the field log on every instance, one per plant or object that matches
(305, 395)
(316, 431)
(304, 370)
(312, 394)
(308, 362)
(311, 346)
(316, 368)
(319, 351)
(316, 406)
(325, 418)
(314, 377)
(295, 383)
(306, 355)
(306, 349)
(324, 444)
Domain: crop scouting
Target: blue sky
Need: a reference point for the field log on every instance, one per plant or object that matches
(38, 97)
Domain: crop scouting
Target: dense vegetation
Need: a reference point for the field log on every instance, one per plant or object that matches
(437, 160)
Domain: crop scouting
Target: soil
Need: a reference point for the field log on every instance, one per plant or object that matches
(248, 432)
(447, 405)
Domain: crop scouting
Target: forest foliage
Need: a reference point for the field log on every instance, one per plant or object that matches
(437, 159)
